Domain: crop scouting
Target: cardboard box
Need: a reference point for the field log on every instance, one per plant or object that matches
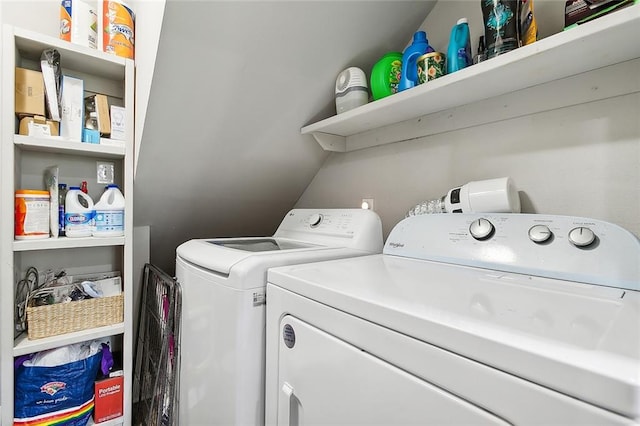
(108, 399)
(72, 101)
(38, 126)
(29, 93)
(99, 105)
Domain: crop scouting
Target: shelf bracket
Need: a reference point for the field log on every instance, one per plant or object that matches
(330, 142)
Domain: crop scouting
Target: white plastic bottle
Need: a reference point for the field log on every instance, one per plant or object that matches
(78, 218)
(110, 213)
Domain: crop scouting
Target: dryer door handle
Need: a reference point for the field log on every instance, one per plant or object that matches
(288, 409)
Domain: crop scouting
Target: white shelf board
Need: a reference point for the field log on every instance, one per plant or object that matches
(73, 56)
(65, 146)
(112, 422)
(23, 345)
(65, 242)
(609, 40)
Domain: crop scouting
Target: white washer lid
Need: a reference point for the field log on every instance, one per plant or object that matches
(579, 339)
(221, 254)
(347, 232)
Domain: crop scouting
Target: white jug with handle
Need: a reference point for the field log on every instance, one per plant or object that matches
(79, 213)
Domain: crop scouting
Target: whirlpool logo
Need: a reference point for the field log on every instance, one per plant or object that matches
(396, 245)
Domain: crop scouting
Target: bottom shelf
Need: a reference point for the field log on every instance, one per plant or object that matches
(23, 345)
(112, 422)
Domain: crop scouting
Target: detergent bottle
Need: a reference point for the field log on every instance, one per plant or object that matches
(409, 74)
(109, 220)
(79, 213)
(459, 51)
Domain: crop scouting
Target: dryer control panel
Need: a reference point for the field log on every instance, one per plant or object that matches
(564, 247)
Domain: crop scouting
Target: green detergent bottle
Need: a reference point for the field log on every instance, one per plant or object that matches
(385, 75)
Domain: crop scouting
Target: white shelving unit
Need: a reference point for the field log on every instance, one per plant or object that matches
(22, 163)
(609, 40)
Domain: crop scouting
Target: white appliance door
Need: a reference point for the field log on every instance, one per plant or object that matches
(325, 380)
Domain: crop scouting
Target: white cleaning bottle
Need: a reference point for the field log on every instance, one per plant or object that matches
(79, 213)
(109, 220)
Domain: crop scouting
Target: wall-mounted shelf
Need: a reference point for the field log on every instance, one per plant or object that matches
(606, 41)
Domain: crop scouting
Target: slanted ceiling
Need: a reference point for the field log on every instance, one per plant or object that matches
(234, 81)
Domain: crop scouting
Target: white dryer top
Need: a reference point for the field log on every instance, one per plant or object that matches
(579, 339)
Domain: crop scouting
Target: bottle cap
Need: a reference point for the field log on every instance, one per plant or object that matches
(419, 36)
(462, 21)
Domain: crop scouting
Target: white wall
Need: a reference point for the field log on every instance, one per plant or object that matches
(149, 16)
(42, 16)
(582, 160)
(234, 82)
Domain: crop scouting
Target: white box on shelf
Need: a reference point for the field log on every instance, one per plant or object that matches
(72, 101)
(118, 123)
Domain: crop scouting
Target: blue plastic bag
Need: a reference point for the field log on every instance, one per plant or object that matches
(60, 395)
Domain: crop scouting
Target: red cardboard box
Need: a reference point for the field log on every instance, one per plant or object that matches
(108, 399)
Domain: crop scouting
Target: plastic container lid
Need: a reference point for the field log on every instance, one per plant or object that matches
(31, 193)
(383, 82)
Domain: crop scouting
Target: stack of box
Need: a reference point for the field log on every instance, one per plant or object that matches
(29, 104)
(49, 103)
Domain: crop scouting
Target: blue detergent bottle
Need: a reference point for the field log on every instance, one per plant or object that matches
(459, 51)
(409, 74)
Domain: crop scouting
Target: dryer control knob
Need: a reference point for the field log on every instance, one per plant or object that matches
(481, 229)
(539, 233)
(581, 236)
(315, 219)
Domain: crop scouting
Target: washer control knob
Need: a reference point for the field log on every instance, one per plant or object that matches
(315, 219)
(481, 229)
(540, 233)
(581, 236)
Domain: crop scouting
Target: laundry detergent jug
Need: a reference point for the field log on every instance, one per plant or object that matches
(459, 51)
(109, 220)
(409, 74)
(79, 213)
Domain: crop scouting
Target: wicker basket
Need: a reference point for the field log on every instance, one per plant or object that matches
(61, 318)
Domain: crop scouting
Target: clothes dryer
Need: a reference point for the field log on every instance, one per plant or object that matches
(223, 306)
(464, 319)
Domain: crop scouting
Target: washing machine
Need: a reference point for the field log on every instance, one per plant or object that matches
(463, 319)
(223, 306)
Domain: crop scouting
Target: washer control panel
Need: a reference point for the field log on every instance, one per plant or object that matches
(352, 228)
(565, 247)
